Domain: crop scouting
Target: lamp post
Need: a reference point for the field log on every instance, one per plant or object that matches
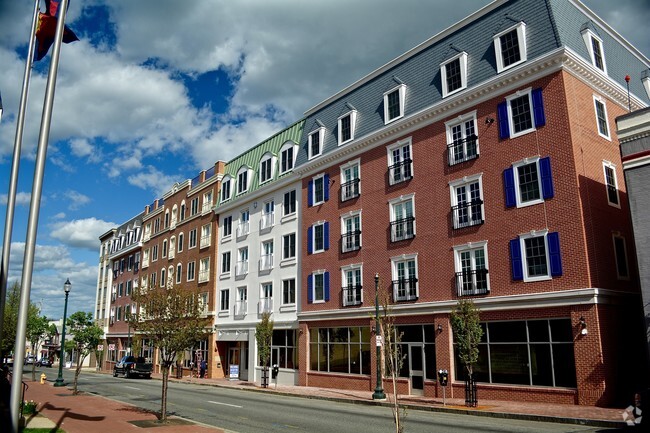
(59, 380)
(379, 390)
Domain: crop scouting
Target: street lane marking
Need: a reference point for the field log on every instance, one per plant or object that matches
(131, 387)
(225, 404)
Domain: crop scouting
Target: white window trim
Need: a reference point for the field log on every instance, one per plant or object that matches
(587, 35)
(389, 151)
(402, 103)
(227, 180)
(600, 99)
(463, 74)
(248, 179)
(344, 280)
(284, 148)
(458, 249)
(523, 49)
(226, 274)
(353, 124)
(515, 166)
(348, 215)
(267, 156)
(313, 237)
(347, 165)
(288, 260)
(519, 93)
(522, 245)
(466, 181)
(321, 136)
(607, 164)
(188, 269)
(226, 238)
(224, 311)
(313, 288)
(404, 258)
(461, 120)
(627, 261)
(295, 294)
(402, 199)
(317, 177)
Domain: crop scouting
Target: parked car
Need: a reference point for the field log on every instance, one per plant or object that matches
(131, 366)
(44, 362)
(30, 359)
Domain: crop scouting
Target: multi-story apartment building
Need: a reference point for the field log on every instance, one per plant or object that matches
(633, 132)
(119, 270)
(179, 248)
(258, 260)
(478, 165)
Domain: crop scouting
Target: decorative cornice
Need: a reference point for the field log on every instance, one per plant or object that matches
(566, 298)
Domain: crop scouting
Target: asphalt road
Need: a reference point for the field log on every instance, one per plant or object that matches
(244, 411)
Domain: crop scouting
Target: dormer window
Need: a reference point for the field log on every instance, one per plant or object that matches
(394, 103)
(266, 168)
(346, 126)
(225, 188)
(510, 47)
(454, 74)
(315, 144)
(242, 180)
(595, 48)
(287, 156)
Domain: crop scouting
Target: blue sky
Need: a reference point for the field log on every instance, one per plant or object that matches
(155, 91)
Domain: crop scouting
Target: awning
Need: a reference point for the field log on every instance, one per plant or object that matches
(232, 335)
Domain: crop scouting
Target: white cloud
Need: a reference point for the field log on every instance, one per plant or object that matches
(82, 233)
(82, 148)
(22, 198)
(153, 179)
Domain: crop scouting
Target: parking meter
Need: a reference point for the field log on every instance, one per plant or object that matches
(274, 371)
(443, 377)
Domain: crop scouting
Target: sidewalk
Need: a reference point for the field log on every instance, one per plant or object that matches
(86, 412)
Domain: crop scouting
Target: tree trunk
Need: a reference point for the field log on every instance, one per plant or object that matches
(34, 370)
(163, 401)
(77, 370)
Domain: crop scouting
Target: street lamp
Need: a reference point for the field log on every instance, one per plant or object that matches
(379, 390)
(59, 380)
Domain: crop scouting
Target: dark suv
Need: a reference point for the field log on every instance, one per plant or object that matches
(44, 362)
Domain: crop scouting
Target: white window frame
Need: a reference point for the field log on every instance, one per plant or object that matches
(344, 179)
(225, 273)
(243, 269)
(461, 121)
(353, 122)
(206, 235)
(267, 252)
(267, 158)
(627, 262)
(609, 165)
(521, 93)
(189, 240)
(344, 280)
(289, 145)
(204, 269)
(462, 59)
(471, 246)
(266, 302)
(515, 173)
(179, 273)
(320, 272)
(391, 205)
(521, 40)
(241, 301)
(600, 100)
(243, 170)
(208, 201)
(294, 204)
(522, 245)
(181, 239)
(344, 229)
(244, 227)
(226, 188)
(191, 266)
(467, 181)
(394, 274)
(226, 237)
(313, 234)
(588, 36)
(295, 247)
(321, 136)
(389, 149)
(267, 216)
(321, 178)
(401, 89)
(295, 292)
(224, 301)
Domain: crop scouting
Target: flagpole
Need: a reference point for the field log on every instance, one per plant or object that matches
(11, 196)
(32, 224)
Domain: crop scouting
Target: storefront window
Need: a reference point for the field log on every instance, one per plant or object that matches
(340, 350)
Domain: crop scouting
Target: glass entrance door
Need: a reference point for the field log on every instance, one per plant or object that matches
(233, 363)
(416, 367)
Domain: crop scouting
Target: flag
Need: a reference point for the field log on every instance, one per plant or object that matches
(46, 30)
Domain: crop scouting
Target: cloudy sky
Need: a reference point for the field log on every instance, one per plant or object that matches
(155, 91)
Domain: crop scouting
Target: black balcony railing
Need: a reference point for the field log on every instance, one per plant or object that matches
(352, 295)
(351, 241)
(350, 189)
(402, 229)
(401, 171)
(467, 214)
(463, 150)
(474, 282)
(405, 289)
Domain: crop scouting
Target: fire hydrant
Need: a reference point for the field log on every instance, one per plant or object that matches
(43, 378)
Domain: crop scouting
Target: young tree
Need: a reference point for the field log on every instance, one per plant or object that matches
(172, 321)
(264, 337)
(466, 326)
(10, 318)
(38, 329)
(86, 337)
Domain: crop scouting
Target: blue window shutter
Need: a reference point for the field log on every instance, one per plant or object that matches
(515, 257)
(310, 193)
(538, 108)
(310, 288)
(504, 126)
(326, 235)
(326, 186)
(554, 256)
(547, 178)
(310, 241)
(326, 283)
(509, 186)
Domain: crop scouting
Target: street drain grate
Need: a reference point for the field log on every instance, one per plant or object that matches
(149, 423)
